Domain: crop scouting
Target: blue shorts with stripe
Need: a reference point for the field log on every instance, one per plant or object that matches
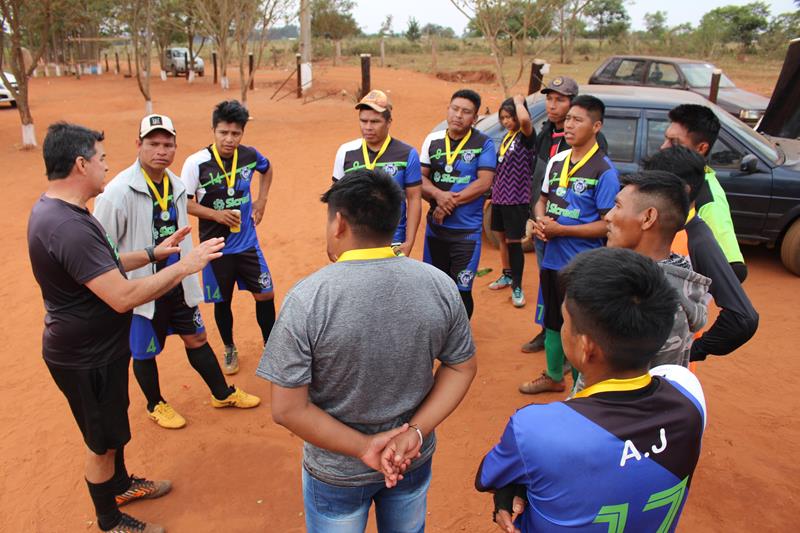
(248, 270)
(455, 252)
(171, 316)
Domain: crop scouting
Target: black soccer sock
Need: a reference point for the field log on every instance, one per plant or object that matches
(224, 317)
(146, 372)
(205, 363)
(122, 481)
(105, 505)
(516, 259)
(265, 315)
(466, 297)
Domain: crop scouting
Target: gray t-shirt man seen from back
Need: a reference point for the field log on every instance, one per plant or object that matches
(364, 336)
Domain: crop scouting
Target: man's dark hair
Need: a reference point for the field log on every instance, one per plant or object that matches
(623, 302)
(700, 122)
(510, 107)
(386, 114)
(470, 95)
(370, 202)
(593, 106)
(63, 144)
(667, 192)
(230, 111)
(685, 163)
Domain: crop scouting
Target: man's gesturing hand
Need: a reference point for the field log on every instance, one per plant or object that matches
(203, 254)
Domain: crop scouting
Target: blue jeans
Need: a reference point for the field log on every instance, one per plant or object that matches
(334, 509)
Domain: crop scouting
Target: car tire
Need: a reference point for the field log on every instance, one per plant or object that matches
(491, 238)
(13, 103)
(201, 73)
(790, 248)
(174, 71)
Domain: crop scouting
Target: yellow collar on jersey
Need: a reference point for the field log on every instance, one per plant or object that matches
(616, 385)
(362, 254)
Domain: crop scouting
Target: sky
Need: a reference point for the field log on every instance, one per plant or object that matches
(370, 13)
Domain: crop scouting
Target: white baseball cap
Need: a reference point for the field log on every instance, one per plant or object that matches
(151, 123)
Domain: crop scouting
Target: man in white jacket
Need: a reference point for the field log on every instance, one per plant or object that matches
(143, 205)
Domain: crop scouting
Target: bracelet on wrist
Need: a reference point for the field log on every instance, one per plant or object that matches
(419, 433)
(151, 253)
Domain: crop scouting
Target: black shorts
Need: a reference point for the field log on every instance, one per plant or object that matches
(455, 253)
(248, 269)
(553, 297)
(98, 398)
(171, 316)
(511, 220)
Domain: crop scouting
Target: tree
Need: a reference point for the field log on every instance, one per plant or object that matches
(29, 26)
(140, 15)
(167, 27)
(439, 31)
(218, 21)
(742, 24)
(333, 19)
(413, 32)
(386, 26)
(191, 26)
(782, 28)
(656, 24)
(569, 23)
(254, 17)
(609, 19)
(514, 22)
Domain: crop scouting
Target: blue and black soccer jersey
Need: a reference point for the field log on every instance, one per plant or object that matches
(589, 195)
(164, 228)
(477, 154)
(613, 460)
(400, 161)
(206, 182)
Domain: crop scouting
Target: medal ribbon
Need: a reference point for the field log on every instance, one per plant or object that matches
(613, 385)
(162, 200)
(451, 158)
(566, 173)
(231, 181)
(371, 166)
(505, 144)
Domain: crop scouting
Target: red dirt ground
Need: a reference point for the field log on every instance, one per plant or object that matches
(237, 470)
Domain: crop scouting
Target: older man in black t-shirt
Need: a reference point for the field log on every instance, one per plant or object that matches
(88, 302)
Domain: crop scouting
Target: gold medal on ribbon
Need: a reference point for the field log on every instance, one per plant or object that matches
(367, 163)
(162, 200)
(567, 173)
(451, 158)
(505, 144)
(230, 180)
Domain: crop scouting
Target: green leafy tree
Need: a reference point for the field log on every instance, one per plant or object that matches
(439, 31)
(609, 19)
(656, 24)
(413, 32)
(742, 24)
(333, 19)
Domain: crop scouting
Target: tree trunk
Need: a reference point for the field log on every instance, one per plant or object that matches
(434, 58)
(383, 51)
(337, 56)
(148, 107)
(24, 108)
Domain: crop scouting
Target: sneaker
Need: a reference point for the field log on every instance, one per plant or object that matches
(536, 344)
(501, 283)
(238, 398)
(166, 417)
(543, 383)
(517, 298)
(230, 363)
(143, 489)
(128, 524)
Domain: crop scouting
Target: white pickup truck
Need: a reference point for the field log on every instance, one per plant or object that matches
(175, 62)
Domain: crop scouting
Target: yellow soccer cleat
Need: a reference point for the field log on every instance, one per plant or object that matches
(166, 417)
(238, 398)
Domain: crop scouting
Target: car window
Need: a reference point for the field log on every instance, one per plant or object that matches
(620, 133)
(655, 134)
(699, 75)
(724, 156)
(629, 70)
(663, 75)
(608, 72)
